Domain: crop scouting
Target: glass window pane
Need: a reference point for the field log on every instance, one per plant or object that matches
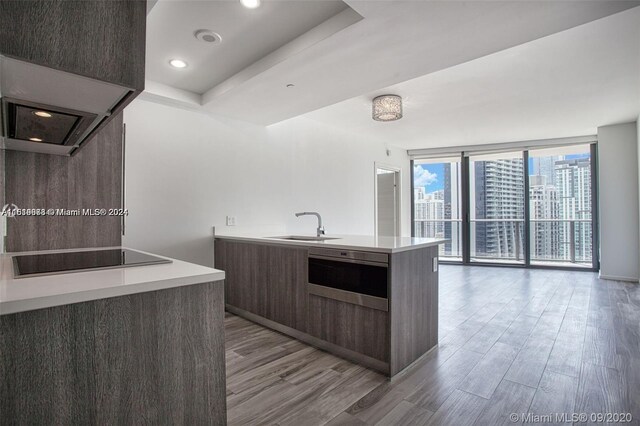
(560, 207)
(437, 203)
(497, 208)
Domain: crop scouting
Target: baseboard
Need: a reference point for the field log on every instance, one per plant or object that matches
(367, 361)
(409, 368)
(615, 278)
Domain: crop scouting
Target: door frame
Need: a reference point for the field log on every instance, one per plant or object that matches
(394, 169)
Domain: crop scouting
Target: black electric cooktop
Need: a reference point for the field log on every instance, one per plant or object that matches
(77, 261)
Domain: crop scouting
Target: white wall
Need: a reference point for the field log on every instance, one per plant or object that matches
(618, 201)
(186, 171)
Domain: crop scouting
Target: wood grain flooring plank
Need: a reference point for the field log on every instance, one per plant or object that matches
(335, 397)
(484, 339)
(556, 394)
(459, 409)
(566, 355)
(574, 322)
(531, 361)
(519, 330)
(346, 419)
(488, 373)
(601, 390)
(437, 388)
(599, 347)
(376, 404)
(406, 414)
(508, 398)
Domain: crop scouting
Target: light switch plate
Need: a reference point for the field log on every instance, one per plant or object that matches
(231, 221)
(435, 264)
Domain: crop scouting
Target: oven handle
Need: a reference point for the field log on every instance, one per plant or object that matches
(347, 260)
(373, 302)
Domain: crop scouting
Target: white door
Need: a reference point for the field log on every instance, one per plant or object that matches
(387, 203)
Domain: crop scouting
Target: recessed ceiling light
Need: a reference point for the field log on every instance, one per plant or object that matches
(35, 139)
(250, 4)
(178, 63)
(43, 114)
(208, 36)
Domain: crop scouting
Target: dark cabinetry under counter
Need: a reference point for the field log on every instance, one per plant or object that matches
(268, 281)
(376, 309)
(147, 358)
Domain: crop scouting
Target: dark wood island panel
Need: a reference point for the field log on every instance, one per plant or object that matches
(357, 328)
(268, 283)
(147, 358)
(413, 306)
(266, 280)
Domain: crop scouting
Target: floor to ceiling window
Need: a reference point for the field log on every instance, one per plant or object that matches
(529, 207)
(560, 205)
(496, 208)
(437, 203)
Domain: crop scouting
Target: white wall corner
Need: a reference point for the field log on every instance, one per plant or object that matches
(619, 201)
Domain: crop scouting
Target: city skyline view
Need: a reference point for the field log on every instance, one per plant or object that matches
(559, 207)
(430, 175)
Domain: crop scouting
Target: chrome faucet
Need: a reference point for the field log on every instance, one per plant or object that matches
(320, 230)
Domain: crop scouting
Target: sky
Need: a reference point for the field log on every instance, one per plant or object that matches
(431, 176)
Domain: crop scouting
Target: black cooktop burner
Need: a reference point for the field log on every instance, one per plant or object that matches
(77, 261)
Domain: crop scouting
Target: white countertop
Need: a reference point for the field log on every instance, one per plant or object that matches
(351, 242)
(29, 293)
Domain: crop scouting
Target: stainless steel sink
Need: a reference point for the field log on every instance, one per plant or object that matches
(304, 238)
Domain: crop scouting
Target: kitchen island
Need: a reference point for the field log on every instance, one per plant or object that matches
(372, 300)
(137, 345)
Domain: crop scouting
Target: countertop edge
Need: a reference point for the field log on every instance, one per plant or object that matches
(24, 305)
(328, 244)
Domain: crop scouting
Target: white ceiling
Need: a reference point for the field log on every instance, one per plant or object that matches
(247, 36)
(470, 72)
(565, 84)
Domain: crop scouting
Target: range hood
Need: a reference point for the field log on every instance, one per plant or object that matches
(51, 111)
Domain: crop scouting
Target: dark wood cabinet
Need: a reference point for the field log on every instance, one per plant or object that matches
(357, 328)
(101, 39)
(90, 180)
(286, 286)
(268, 281)
(147, 358)
(268, 284)
(413, 306)
(245, 264)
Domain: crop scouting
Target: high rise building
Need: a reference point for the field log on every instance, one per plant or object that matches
(499, 195)
(544, 212)
(419, 212)
(545, 166)
(428, 213)
(452, 229)
(573, 183)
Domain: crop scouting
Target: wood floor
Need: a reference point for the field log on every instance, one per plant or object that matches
(511, 341)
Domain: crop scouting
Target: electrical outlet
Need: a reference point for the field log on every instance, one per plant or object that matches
(435, 264)
(231, 221)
